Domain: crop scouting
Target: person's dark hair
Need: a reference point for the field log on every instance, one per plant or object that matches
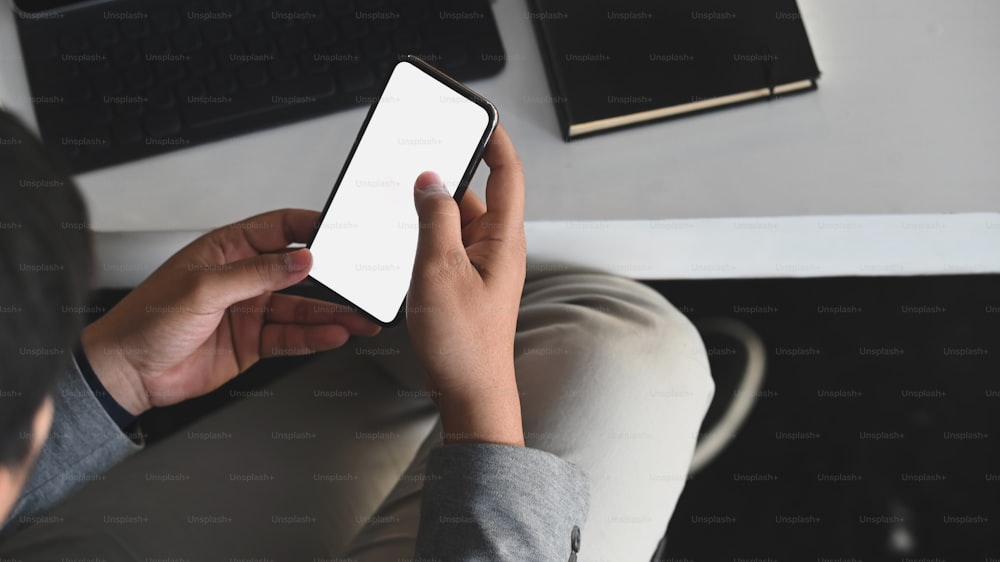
(45, 269)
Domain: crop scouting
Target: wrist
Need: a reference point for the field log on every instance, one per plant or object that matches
(122, 418)
(485, 417)
(119, 378)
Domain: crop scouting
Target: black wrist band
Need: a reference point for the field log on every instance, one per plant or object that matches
(120, 415)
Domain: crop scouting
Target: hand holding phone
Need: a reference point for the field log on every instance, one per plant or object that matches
(464, 298)
(364, 247)
(463, 264)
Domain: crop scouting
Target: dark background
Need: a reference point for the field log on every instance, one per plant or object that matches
(763, 497)
(788, 513)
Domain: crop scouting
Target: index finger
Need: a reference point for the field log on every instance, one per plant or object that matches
(471, 207)
(505, 186)
(273, 231)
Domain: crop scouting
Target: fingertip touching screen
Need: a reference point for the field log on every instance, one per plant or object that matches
(365, 245)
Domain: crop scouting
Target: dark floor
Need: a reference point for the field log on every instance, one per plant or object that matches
(848, 455)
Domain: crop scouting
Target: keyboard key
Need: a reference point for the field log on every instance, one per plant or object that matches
(291, 42)
(187, 39)
(97, 137)
(74, 42)
(99, 62)
(451, 5)
(58, 70)
(412, 12)
(138, 78)
(201, 63)
(77, 90)
(136, 28)
(386, 24)
(407, 40)
(195, 11)
(312, 63)
(283, 69)
(261, 47)
(132, 106)
(168, 71)
(191, 88)
(340, 53)
(355, 77)
(232, 7)
(107, 83)
(376, 47)
(75, 116)
(79, 117)
(105, 34)
(162, 124)
(323, 33)
(248, 25)
(453, 54)
(71, 151)
(126, 132)
(307, 7)
(101, 112)
(230, 55)
(221, 83)
(338, 7)
(155, 47)
(439, 31)
(354, 28)
(383, 67)
(279, 23)
(245, 104)
(125, 54)
(216, 32)
(37, 47)
(165, 19)
(253, 75)
(160, 97)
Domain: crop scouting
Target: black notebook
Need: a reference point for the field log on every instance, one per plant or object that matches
(615, 64)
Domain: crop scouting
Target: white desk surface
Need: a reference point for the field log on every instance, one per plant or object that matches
(906, 121)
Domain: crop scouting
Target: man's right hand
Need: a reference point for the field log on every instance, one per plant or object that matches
(462, 307)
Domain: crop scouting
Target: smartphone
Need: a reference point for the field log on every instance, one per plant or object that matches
(364, 246)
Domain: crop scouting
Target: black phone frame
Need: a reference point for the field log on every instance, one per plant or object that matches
(458, 87)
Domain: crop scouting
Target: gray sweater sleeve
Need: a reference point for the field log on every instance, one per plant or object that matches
(83, 443)
(498, 503)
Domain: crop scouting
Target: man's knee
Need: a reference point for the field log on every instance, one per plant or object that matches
(626, 329)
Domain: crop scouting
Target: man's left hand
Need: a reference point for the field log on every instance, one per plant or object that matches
(209, 313)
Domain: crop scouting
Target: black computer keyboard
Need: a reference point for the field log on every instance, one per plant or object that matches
(123, 80)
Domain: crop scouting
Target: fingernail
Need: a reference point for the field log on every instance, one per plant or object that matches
(431, 189)
(299, 260)
(431, 183)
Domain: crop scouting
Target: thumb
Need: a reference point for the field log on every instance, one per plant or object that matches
(439, 236)
(249, 278)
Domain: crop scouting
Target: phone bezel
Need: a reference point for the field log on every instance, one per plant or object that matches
(470, 170)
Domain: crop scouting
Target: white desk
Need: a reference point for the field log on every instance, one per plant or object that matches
(906, 121)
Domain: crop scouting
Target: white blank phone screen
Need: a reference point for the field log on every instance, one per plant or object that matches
(364, 248)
